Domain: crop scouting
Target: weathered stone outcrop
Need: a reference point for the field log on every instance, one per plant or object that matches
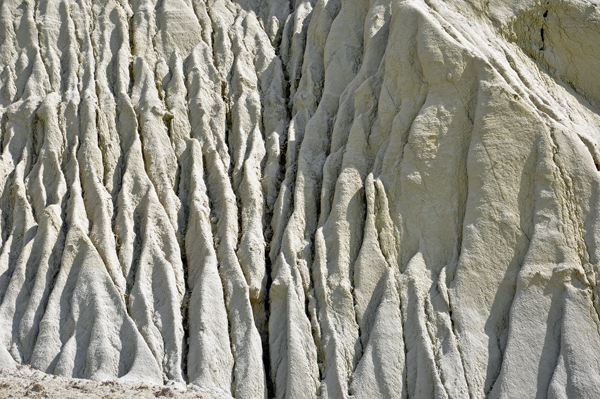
(308, 199)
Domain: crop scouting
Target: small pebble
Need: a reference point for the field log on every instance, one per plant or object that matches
(37, 388)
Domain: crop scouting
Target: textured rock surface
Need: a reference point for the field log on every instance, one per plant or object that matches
(26, 382)
(318, 198)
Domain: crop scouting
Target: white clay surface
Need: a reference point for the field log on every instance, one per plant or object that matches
(303, 199)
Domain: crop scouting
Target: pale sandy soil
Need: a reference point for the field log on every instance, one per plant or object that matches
(25, 382)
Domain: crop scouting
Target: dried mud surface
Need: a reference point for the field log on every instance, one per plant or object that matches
(24, 382)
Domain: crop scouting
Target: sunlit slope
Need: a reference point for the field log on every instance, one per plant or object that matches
(310, 199)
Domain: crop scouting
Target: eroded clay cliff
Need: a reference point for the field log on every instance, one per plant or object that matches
(319, 198)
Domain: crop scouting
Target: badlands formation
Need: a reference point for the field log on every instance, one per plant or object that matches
(303, 199)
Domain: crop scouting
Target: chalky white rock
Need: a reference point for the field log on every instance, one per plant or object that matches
(303, 199)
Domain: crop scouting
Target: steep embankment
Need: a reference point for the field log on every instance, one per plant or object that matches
(325, 198)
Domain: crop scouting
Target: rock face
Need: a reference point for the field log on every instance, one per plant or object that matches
(309, 199)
